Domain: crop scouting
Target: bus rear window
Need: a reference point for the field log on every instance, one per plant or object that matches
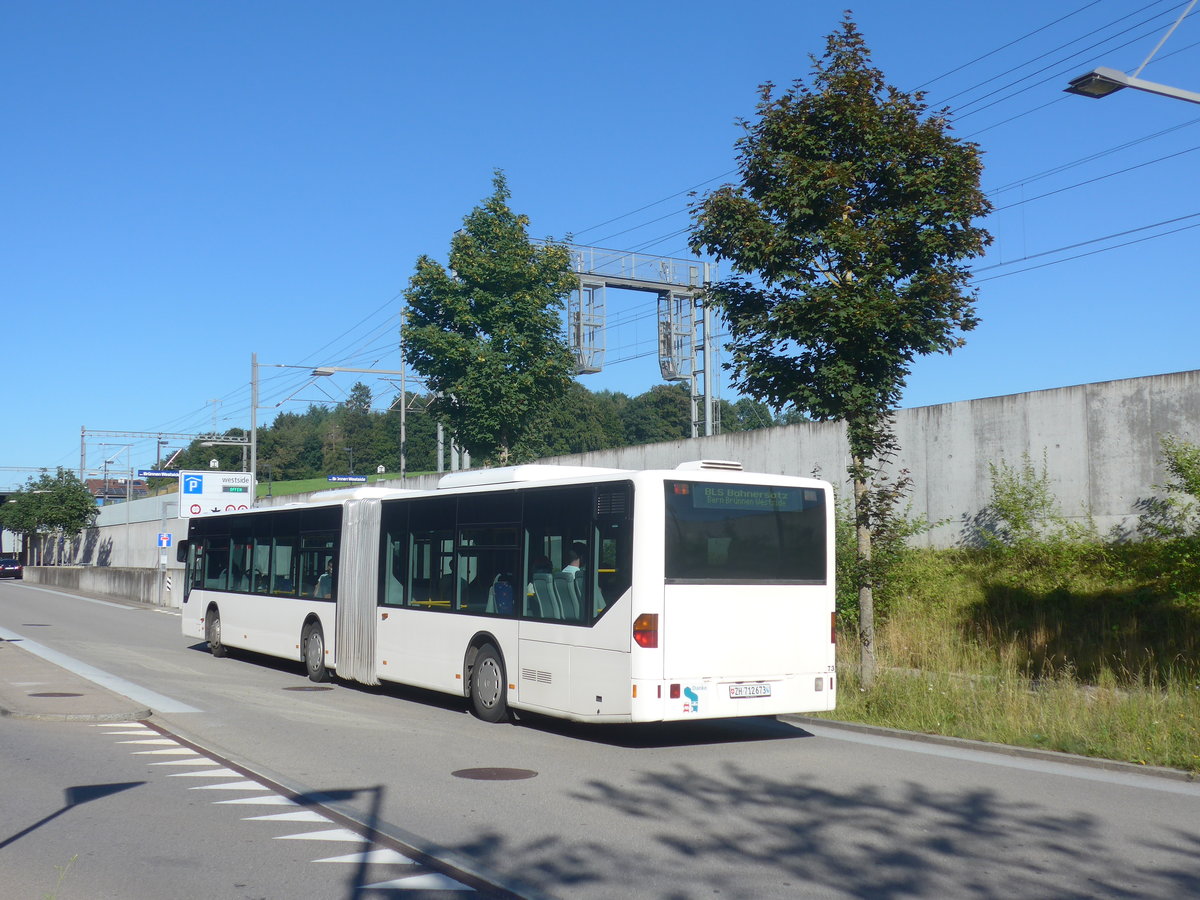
(744, 533)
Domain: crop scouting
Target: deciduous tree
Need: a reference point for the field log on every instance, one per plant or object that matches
(50, 503)
(486, 332)
(847, 237)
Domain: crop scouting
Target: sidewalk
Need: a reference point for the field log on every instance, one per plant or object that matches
(33, 688)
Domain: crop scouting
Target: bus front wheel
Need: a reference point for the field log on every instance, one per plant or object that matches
(488, 694)
(313, 642)
(212, 633)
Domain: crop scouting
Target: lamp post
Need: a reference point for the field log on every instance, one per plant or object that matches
(323, 371)
(124, 448)
(1102, 81)
(317, 372)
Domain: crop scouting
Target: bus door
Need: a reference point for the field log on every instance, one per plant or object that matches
(574, 631)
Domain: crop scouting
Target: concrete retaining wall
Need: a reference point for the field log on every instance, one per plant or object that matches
(142, 585)
(1100, 443)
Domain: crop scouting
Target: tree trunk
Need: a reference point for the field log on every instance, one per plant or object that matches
(866, 597)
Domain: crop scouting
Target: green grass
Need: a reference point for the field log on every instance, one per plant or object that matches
(308, 485)
(1076, 648)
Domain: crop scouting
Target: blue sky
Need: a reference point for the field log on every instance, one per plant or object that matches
(185, 184)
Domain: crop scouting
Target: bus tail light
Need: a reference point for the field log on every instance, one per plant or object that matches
(833, 628)
(645, 630)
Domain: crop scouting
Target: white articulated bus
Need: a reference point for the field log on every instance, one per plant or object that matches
(597, 595)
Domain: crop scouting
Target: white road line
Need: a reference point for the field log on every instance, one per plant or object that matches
(30, 587)
(231, 786)
(267, 800)
(134, 692)
(170, 751)
(333, 834)
(417, 881)
(159, 741)
(994, 758)
(380, 856)
(302, 815)
(430, 882)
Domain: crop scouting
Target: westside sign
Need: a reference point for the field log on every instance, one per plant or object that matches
(354, 479)
(207, 493)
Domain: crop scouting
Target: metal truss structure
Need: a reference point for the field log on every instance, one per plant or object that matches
(685, 347)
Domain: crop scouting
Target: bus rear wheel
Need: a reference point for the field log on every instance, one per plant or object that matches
(212, 633)
(313, 644)
(489, 699)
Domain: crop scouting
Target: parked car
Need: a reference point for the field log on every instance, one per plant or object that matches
(10, 567)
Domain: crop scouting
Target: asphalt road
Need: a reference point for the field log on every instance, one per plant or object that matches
(731, 809)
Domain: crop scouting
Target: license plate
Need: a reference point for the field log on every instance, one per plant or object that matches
(749, 690)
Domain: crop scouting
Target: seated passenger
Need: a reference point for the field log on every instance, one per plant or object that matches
(324, 589)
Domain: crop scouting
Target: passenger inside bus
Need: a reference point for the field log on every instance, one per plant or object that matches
(325, 583)
(540, 602)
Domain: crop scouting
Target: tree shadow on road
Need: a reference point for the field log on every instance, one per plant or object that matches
(746, 835)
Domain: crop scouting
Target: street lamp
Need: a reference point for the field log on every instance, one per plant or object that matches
(318, 371)
(323, 371)
(1102, 81)
(126, 449)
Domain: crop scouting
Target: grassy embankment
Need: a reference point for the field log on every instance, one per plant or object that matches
(1084, 648)
(308, 485)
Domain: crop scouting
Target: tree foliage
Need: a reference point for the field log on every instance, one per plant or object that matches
(50, 503)
(1173, 517)
(316, 442)
(486, 332)
(847, 237)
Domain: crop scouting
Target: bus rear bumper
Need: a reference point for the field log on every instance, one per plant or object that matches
(713, 698)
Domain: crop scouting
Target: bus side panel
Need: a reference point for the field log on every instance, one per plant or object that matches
(565, 668)
(272, 625)
(600, 682)
(545, 673)
(192, 614)
(260, 623)
(426, 649)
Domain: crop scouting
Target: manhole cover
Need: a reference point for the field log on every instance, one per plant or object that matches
(494, 774)
(308, 687)
(55, 694)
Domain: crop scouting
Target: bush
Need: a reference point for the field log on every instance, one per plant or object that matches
(1173, 518)
(891, 527)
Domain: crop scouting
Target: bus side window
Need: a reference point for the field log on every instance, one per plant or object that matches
(318, 557)
(394, 528)
(283, 559)
(260, 565)
(431, 580)
(216, 562)
(557, 528)
(614, 545)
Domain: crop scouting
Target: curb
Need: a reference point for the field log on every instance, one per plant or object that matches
(1071, 759)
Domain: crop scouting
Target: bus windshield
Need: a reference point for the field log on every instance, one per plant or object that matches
(744, 533)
